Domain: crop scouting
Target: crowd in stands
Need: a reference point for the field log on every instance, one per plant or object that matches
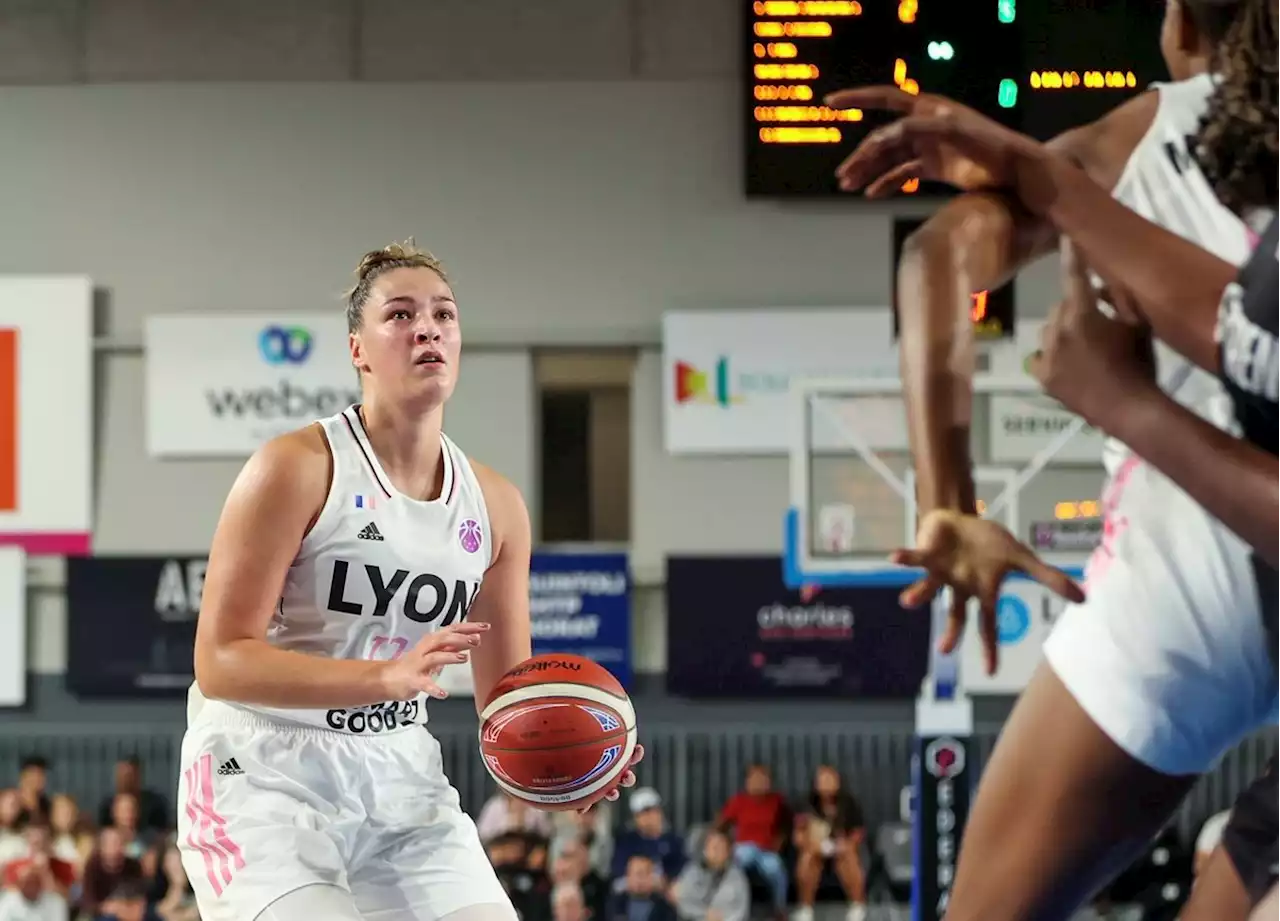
(762, 856)
(572, 867)
(117, 863)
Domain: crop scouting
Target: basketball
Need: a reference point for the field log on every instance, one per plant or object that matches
(557, 732)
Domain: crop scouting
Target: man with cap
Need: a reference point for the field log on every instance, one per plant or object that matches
(648, 837)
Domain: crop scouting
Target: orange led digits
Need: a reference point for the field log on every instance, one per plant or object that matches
(907, 10)
(1089, 80)
(978, 307)
(800, 135)
(767, 93)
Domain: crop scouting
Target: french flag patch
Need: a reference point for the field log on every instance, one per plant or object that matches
(366, 501)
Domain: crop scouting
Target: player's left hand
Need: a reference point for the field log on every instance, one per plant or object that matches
(937, 139)
(973, 556)
(1091, 363)
(628, 778)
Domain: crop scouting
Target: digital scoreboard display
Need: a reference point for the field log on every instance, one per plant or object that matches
(1039, 66)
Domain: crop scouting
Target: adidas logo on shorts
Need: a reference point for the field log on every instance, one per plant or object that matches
(370, 532)
(230, 767)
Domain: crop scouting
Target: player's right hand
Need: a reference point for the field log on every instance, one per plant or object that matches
(415, 672)
(937, 139)
(973, 556)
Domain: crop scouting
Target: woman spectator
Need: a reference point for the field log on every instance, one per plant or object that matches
(713, 888)
(106, 869)
(829, 833)
(12, 844)
(72, 841)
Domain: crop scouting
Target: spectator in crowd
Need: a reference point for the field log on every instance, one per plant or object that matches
(568, 903)
(760, 821)
(12, 843)
(107, 868)
(571, 865)
(33, 782)
(127, 902)
(594, 828)
(175, 901)
(502, 814)
(1210, 837)
(124, 819)
(713, 888)
(33, 900)
(649, 837)
(641, 898)
(72, 842)
(54, 875)
(153, 809)
(527, 884)
(829, 833)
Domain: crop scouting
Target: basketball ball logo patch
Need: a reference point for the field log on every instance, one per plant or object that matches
(470, 535)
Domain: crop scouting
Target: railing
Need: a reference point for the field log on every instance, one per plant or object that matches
(695, 769)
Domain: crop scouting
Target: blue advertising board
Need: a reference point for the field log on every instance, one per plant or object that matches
(581, 604)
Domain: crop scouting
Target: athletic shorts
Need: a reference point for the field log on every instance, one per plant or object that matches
(1168, 655)
(1250, 838)
(267, 808)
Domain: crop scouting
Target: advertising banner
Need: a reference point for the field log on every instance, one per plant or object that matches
(727, 377)
(221, 386)
(735, 630)
(132, 620)
(943, 770)
(13, 627)
(579, 603)
(46, 414)
(1025, 614)
(131, 625)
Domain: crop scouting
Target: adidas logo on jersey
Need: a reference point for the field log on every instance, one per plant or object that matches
(230, 767)
(370, 532)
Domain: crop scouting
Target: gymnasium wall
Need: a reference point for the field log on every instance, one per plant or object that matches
(575, 192)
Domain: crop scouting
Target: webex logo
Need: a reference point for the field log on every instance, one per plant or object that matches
(287, 402)
(281, 345)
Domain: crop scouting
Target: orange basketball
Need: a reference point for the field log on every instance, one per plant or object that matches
(557, 731)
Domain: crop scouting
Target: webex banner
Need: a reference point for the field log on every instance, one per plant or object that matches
(221, 386)
(734, 630)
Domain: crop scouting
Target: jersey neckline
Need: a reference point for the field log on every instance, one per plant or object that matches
(355, 425)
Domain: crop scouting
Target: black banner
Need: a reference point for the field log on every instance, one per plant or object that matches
(131, 625)
(734, 630)
(943, 769)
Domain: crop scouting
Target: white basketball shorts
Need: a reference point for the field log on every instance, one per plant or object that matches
(266, 808)
(1168, 655)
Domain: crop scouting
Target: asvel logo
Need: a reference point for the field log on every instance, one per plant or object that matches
(284, 345)
(1013, 620)
(944, 758)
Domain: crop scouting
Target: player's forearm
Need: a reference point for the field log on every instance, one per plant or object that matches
(1229, 477)
(973, 244)
(496, 656)
(1176, 285)
(254, 672)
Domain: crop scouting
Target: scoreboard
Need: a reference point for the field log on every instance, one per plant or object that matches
(1038, 66)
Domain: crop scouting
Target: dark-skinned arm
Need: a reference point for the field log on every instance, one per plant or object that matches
(1174, 284)
(978, 242)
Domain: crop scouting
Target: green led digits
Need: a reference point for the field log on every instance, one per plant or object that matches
(1007, 10)
(941, 51)
(1008, 93)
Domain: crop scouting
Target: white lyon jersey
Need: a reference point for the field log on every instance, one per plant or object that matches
(1162, 182)
(377, 572)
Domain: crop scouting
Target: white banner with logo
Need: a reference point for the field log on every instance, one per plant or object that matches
(1025, 614)
(1021, 426)
(221, 386)
(727, 377)
(46, 413)
(13, 627)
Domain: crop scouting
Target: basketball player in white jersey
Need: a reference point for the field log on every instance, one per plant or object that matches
(1165, 665)
(355, 558)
